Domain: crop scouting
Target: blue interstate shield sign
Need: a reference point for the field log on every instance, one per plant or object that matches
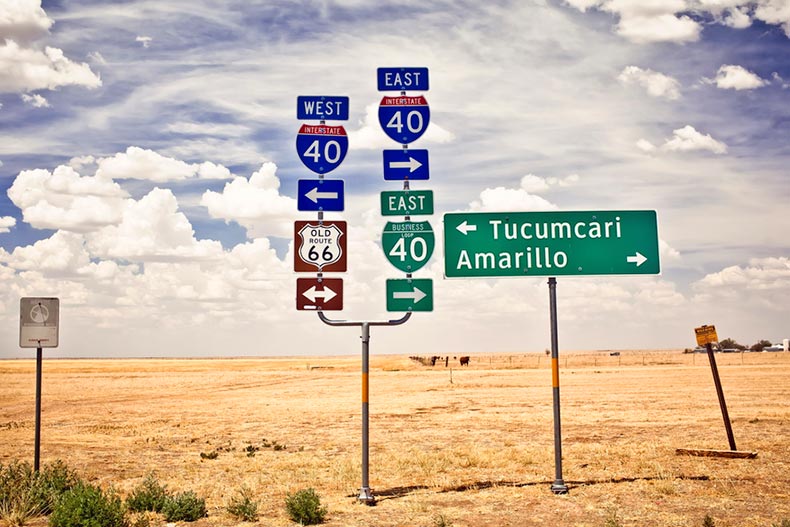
(321, 148)
(404, 119)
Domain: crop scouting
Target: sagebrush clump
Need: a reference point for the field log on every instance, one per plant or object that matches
(304, 507)
(185, 506)
(88, 505)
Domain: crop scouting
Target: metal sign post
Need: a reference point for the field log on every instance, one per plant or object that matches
(38, 328)
(365, 494)
(559, 486)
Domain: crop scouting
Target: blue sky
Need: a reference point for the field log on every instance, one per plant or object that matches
(149, 169)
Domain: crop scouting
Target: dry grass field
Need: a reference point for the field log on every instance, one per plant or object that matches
(467, 447)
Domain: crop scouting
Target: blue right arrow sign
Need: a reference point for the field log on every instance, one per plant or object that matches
(405, 164)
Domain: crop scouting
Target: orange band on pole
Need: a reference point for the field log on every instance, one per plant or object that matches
(364, 387)
(555, 373)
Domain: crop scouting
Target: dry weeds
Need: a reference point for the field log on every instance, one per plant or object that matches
(477, 451)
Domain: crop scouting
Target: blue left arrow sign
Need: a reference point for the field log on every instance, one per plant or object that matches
(320, 194)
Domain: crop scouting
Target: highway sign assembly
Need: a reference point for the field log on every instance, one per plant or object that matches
(404, 119)
(402, 79)
(408, 245)
(405, 164)
(410, 294)
(319, 293)
(320, 195)
(501, 244)
(321, 147)
(320, 246)
(406, 202)
(322, 107)
(38, 322)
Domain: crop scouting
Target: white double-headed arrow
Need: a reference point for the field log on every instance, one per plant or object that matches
(314, 195)
(415, 296)
(412, 164)
(638, 259)
(465, 228)
(312, 294)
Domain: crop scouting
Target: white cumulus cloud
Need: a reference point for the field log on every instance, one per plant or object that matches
(35, 100)
(686, 139)
(6, 222)
(254, 203)
(23, 20)
(63, 199)
(657, 84)
(27, 69)
(140, 163)
(733, 77)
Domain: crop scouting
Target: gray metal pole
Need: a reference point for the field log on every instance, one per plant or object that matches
(365, 495)
(559, 486)
(37, 454)
(720, 392)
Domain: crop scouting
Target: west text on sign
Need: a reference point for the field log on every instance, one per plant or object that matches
(322, 107)
(551, 243)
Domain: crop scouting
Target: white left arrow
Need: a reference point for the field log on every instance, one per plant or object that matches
(412, 164)
(464, 228)
(312, 294)
(415, 296)
(638, 259)
(314, 195)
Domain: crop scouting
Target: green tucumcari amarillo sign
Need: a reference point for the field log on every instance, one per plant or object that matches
(502, 244)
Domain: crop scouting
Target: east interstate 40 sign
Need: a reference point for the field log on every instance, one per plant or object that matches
(507, 244)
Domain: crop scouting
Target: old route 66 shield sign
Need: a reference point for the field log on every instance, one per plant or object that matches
(321, 246)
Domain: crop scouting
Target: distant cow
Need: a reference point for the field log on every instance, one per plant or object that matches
(465, 361)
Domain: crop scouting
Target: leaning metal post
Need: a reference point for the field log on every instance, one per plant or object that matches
(720, 393)
(365, 495)
(559, 486)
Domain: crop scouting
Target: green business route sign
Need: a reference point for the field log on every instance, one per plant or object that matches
(408, 245)
(502, 244)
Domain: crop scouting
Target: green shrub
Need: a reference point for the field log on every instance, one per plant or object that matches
(25, 494)
(784, 523)
(242, 506)
(87, 505)
(304, 507)
(147, 496)
(52, 482)
(17, 499)
(186, 506)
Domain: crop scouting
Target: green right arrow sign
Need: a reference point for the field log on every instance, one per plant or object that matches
(550, 243)
(410, 294)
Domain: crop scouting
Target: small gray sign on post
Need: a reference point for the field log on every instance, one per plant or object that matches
(39, 322)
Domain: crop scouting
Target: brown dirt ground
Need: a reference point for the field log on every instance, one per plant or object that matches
(469, 446)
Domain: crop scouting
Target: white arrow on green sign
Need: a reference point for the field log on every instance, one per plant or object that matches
(408, 245)
(411, 294)
(550, 243)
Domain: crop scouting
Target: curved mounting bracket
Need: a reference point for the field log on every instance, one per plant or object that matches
(395, 322)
